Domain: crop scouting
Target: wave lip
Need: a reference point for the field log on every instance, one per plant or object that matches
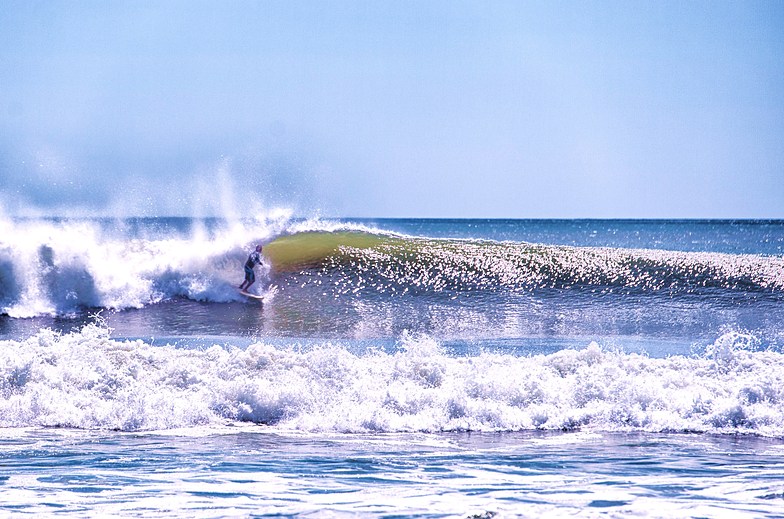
(88, 380)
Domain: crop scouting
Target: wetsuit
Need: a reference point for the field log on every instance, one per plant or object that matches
(253, 260)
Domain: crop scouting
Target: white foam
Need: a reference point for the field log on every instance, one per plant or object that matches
(56, 267)
(88, 380)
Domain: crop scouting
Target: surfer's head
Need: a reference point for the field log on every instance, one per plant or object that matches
(258, 248)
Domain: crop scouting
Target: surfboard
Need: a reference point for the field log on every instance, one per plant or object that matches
(252, 296)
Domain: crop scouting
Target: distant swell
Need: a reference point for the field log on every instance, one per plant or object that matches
(88, 380)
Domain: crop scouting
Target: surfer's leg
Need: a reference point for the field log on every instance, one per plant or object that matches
(250, 278)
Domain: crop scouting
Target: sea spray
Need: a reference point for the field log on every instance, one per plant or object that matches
(61, 267)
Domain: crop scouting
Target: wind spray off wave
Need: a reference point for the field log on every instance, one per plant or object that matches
(62, 266)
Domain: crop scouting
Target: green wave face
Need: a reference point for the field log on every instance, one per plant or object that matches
(312, 249)
(357, 259)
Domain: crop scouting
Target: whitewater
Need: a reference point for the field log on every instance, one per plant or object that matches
(434, 368)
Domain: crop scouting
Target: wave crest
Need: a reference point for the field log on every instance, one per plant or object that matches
(58, 267)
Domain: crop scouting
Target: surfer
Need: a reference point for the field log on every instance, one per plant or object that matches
(250, 277)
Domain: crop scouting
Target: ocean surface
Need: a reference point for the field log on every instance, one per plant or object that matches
(395, 368)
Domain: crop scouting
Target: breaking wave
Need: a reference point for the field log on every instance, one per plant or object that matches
(87, 380)
(57, 267)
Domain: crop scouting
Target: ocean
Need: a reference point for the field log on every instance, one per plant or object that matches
(395, 368)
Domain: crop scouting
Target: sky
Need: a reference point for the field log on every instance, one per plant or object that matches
(442, 108)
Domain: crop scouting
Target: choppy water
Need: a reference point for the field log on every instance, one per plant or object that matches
(256, 472)
(396, 367)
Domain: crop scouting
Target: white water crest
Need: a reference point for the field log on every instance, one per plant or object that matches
(56, 267)
(88, 380)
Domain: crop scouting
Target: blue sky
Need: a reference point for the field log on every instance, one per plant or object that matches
(393, 109)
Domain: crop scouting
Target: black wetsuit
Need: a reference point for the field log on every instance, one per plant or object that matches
(253, 259)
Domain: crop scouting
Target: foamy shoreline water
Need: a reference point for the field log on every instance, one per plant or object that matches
(254, 471)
